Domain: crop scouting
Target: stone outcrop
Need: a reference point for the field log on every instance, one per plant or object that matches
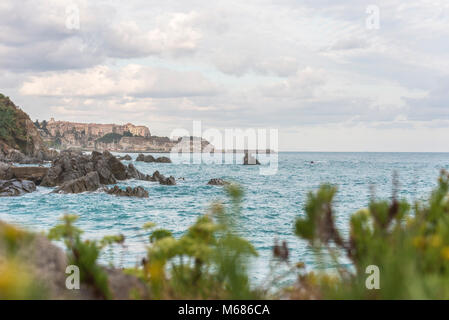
(75, 172)
(5, 174)
(217, 182)
(89, 182)
(149, 159)
(13, 188)
(125, 158)
(170, 181)
(72, 165)
(250, 160)
(35, 174)
(138, 192)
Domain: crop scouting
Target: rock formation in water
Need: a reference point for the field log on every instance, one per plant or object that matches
(149, 159)
(13, 188)
(250, 160)
(138, 192)
(125, 158)
(75, 172)
(89, 182)
(217, 182)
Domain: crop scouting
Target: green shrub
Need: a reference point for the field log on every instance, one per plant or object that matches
(84, 254)
(409, 245)
(110, 138)
(208, 262)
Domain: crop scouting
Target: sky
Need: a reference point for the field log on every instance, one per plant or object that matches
(329, 75)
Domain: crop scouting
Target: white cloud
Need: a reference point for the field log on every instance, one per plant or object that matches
(311, 64)
(131, 80)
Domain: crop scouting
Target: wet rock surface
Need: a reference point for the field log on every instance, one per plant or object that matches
(72, 165)
(170, 181)
(125, 158)
(217, 182)
(138, 192)
(14, 188)
(249, 160)
(150, 159)
(89, 182)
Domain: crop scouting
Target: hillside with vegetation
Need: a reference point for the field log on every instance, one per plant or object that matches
(17, 131)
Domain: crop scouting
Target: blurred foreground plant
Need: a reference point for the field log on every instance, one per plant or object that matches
(208, 262)
(84, 254)
(410, 247)
(17, 281)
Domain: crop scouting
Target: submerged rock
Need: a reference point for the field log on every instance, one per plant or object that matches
(13, 188)
(250, 160)
(163, 160)
(170, 181)
(217, 182)
(125, 158)
(89, 182)
(138, 192)
(151, 159)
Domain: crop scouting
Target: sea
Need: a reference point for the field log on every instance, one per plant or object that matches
(270, 206)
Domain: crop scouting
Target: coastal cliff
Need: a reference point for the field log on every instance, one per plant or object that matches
(20, 141)
(112, 137)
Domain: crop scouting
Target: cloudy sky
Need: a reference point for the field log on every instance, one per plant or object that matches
(320, 71)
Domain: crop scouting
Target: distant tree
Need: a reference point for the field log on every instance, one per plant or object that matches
(127, 134)
(110, 138)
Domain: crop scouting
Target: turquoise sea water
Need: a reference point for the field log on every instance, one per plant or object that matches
(270, 207)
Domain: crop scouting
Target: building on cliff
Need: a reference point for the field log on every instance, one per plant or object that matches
(94, 129)
(112, 137)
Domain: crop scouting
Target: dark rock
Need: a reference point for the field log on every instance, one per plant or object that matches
(163, 160)
(125, 158)
(104, 171)
(117, 168)
(138, 192)
(95, 155)
(12, 188)
(171, 181)
(150, 159)
(250, 160)
(89, 182)
(133, 173)
(5, 173)
(67, 167)
(70, 166)
(156, 176)
(217, 182)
